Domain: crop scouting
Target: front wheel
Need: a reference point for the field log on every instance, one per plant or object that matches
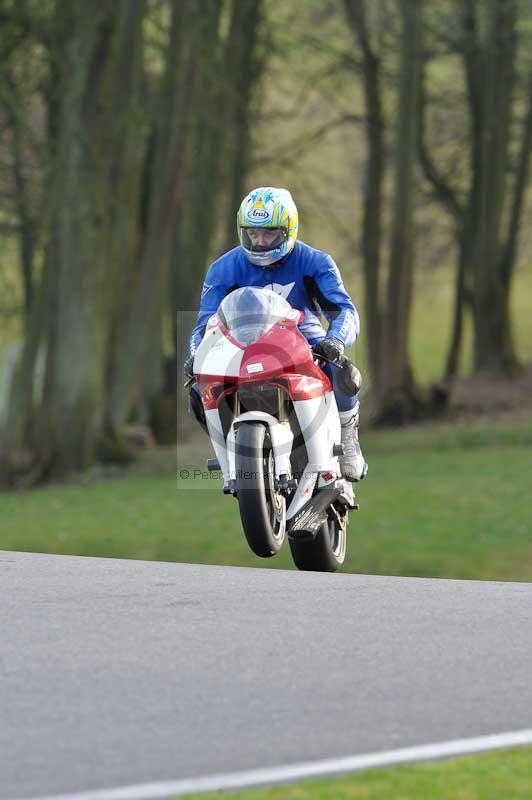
(262, 507)
(324, 553)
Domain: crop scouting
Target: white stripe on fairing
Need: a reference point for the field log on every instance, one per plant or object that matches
(309, 769)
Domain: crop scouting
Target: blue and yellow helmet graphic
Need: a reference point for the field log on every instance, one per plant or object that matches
(267, 207)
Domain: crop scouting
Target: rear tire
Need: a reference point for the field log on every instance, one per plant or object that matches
(262, 507)
(324, 553)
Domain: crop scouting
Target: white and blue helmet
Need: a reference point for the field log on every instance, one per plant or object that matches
(267, 207)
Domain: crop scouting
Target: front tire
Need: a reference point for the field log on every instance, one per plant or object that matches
(324, 553)
(262, 507)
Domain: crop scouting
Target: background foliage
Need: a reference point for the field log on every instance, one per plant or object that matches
(129, 131)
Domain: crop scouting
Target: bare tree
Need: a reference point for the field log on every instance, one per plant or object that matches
(69, 321)
(388, 309)
(488, 211)
(373, 184)
(493, 347)
(217, 159)
(165, 187)
(398, 398)
(243, 60)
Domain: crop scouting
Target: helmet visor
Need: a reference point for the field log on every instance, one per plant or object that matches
(262, 240)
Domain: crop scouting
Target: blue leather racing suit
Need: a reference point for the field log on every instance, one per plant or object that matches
(307, 278)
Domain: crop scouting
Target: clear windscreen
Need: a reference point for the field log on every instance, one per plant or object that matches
(248, 313)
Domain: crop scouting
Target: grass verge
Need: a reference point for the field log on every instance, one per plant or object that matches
(438, 502)
(504, 775)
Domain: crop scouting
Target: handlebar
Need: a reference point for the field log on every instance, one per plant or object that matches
(321, 357)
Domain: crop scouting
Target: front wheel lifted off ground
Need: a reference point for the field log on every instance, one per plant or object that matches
(262, 507)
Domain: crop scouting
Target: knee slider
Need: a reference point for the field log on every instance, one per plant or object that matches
(349, 379)
(195, 406)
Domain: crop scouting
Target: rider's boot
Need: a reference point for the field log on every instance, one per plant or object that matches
(352, 462)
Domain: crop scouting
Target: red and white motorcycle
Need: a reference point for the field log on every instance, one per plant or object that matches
(274, 426)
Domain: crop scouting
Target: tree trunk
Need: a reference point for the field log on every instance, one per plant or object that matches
(19, 464)
(372, 213)
(125, 186)
(27, 226)
(493, 350)
(460, 295)
(242, 70)
(165, 199)
(509, 250)
(71, 317)
(217, 164)
(71, 413)
(486, 253)
(198, 218)
(398, 399)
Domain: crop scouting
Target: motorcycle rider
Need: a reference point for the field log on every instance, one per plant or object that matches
(270, 256)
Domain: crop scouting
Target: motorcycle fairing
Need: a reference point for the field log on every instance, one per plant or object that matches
(280, 357)
(282, 353)
(218, 356)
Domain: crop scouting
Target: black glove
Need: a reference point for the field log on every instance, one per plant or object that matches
(330, 348)
(349, 379)
(188, 370)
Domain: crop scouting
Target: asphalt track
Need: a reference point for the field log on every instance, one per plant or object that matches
(123, 673)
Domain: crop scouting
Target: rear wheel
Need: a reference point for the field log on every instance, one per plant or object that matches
(262, 506)
(326, 552)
